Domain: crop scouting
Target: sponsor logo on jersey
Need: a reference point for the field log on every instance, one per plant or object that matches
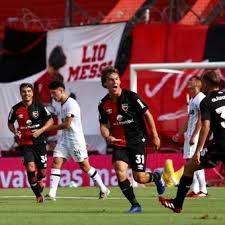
(124, 107)
(35, 114)
(119, 117)
(28, 122)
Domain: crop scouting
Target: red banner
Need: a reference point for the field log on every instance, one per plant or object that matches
(13, 175)
(165, 93)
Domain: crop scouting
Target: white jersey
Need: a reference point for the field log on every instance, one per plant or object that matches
(194, 110)
(72, 141)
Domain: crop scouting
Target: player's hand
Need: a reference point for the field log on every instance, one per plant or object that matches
(175, 138)
(36, 133)
(156, 143)
(196, 158)
(18, 134)
(192, 141)
(112, 140)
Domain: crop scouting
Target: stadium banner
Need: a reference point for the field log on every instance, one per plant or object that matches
(166, 92)
(87, 49)
(13, 175)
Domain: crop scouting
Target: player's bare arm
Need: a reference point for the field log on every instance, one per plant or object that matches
(38, 132)
(205, 128)
(64, 125)
(151, 124)
(196, 130)
(106, 134)
(16, 132)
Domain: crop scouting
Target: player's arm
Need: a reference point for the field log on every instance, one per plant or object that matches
(44, 128)
(180, 132)
(196, 130)
(151, 124)
(205, 128)
(11, 121)
(14, 130)
(105, 132)
(62, 126)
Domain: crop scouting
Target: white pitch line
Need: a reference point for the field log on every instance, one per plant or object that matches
(93, 198)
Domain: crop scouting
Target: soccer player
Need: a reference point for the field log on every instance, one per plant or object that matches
(191, 135)
(123, 120)
(212, 110)
(33, 120)
(71, 142)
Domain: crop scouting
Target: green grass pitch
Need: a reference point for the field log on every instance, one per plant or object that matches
(80, 206)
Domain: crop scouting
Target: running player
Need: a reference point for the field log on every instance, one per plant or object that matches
(33, 120)
(212, 115)
(123, 120)
(71, 142)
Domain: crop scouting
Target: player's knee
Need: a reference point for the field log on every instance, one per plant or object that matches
(139, 178)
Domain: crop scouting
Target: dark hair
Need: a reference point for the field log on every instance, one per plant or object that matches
(56, 84)
(212, 78)
(106, 72)
(57, 58)
(28, 85)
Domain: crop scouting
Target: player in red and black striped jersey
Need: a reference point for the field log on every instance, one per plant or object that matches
(33, 120)
(123, 120)
(212, 109)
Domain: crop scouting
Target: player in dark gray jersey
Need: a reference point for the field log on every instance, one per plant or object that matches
(212, 110)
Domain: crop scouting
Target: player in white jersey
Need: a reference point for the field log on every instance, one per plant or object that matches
(71, 142)
(191, 135)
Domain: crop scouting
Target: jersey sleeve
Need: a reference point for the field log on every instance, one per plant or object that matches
(72, 109)
(199, 99)
(139, 105)
(45, 112)
(205, 110)
(102, 114)
(12, 115)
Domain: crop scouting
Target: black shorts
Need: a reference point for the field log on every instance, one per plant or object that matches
(212, 155)
(134, 156)
(35, 153)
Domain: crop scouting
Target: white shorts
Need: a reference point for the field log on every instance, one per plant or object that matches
(78, 154)
(189, 150)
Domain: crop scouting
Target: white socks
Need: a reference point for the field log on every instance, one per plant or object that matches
(54, 182)
(199, 183)
(97, 179)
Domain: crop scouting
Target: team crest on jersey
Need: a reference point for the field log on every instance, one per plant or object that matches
(35, 114)
(108, 111)
(124, 107)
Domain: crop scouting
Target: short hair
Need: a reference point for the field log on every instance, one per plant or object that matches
(56, 84)
(57, 58)
(26, 85)
(106, 72)
(211, 77)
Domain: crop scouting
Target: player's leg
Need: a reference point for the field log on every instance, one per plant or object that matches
(137, 158)
(60, 156)
(200, 174)
(183, 188)
(208, 159)
(29, 163)
(120, 161)
(40, 154)
(194, 187)
(94, 175)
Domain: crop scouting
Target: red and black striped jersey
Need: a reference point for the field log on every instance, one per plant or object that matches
(124, 117)
(29, 119)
